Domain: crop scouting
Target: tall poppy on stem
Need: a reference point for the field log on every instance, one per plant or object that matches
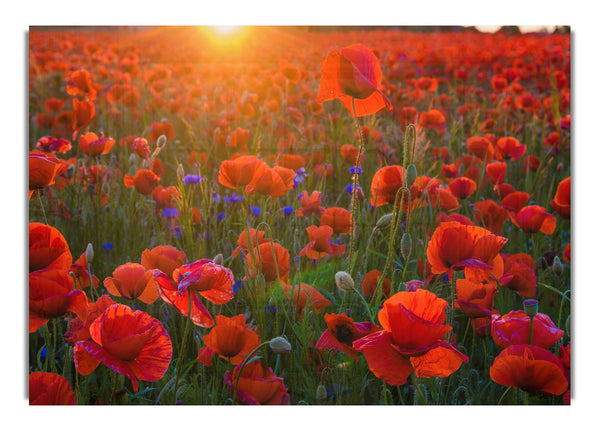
(132, 280)
(231, 338)
(42, 170)
(320, 245)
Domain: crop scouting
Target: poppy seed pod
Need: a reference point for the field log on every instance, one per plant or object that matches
(161, 142)
(321, 394)
(89, 253)
(530, 306)
(406, 245)
(344, 281)
(384, 221)
(557, 266)
(411, 175)
(218, 259)
(280, 345)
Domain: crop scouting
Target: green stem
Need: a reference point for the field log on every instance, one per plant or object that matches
(361, 149)
(41, 206)
(243, 364)
(415, 382)
(182, 346)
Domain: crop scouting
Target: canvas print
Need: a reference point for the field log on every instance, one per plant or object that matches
(299, 215)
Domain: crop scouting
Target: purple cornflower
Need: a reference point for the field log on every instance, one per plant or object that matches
(191, 179)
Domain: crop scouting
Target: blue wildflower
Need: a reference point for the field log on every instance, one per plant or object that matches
(215, 197)
(256, 211)
(170, 212)
(353, 169)
(43, 353)
(107, 246)
(350, 188)
(233, 199)
(221, 216)
(287, 211)
(191, 179)
(238, 284)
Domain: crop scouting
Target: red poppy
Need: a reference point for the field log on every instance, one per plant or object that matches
(528, 102)
(324, 169)
(454, 246)
(567, 253)
(240, 171)
(369, 284)
(514, 328)
(385, 183)
(433, 119)
(141, 148)
(231, 339)
(92, 145)
(131, 343)
(257, 385)
(514, 201)
(319, 245)
(256, 237)
(83, 113)
(293, 161)
(166, 258)
(144, 181)
(496, 172)
(47, 248)
(562, 199)
(509, 148)
(462, 187)
(211, 280)
(79, 268)
(530, 368)
(353, 73)
(339, 219)
(350, 153)
(534, 218)
(49, 389)
(310, 204)
(519, 275)
(131, 281)
(481, 147)
(273, 182)
(50, 144)
(411, 339)
(490, 215)
(531, 164)
(161, 128)
(341, 332)
(42, 170)
(80, 84)
(407, 115)
(274, 261)
(53, 105)
(475, 299)
(304, 296)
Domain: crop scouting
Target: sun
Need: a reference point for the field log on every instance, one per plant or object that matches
(226, 29)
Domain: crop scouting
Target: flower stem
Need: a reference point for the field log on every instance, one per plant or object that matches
(361, 149)
(242, 365)
(415, 382)
(182, 346)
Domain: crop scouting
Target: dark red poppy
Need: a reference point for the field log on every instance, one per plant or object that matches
(519, 275)
(353, 73)
(514, 201)
(341, 332)
(231, 338)
(79, 268)
(490, 215)
(132, 281)
(257, 385)
(534, 218)
(562, 199)
(144, 181)
(161, 128)
(514, 328)
(369, 284)
(50, 144)
(509, 148)
(530, 368)
(49, 389)
(411, 339)
(319, 245)
(462, 187)
(475, 299)
(131, 343)
(339, 219)
(47, 248)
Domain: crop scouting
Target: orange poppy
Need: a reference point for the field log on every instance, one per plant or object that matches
(369, 284)
(257, 385)
(514, 328)
(320, 245)
(353, 73)
(490, 215)
(273, 182)
(42, 170)
(131, 281)
(496, 172)
(562, 199)
(462, 187)
(231, 339)
(161, 128)
(92, 145)
(79, 268)
(141, 148)
(52, 293)
(255, 236)
(49, 389)
(519, 275)
(339, 219)
(324, 169)
(341, 332)
(310, 204)
(166, 258)
(385, 183)
(240, 171)
(411, 339)
(47, 248)
(293, 161)
(514, 201)
(131, 343)
(433, 119)
(80, 84)
(261, 260)
(509, 148)
(350, 153)
(211, 280)
(530, 368)
(475, 299)
(143, 181)
(83, 113)
(481, 147)
(304, 296)
(534, 218)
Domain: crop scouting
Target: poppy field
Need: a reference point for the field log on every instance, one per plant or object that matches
(299, 216)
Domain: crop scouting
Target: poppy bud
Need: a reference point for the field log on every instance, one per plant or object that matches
(321, 394)
(121, 397)
(272, 302)
(218, 259)
(406, 245)
(344, 281)
(180, 171)
(411, 175)
(280, 345)
(132, 160)
(530, 306)
(557, 266)
(161, 141)
(89, 253)
(384, 221)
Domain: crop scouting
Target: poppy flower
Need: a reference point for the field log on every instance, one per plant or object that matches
(531, 164)
(534, 218)
(47, 248)
(514, 201)
(462, 187)
(255, 236)
(257, 385)
(339, 219)
(490, 215)
(509, 148)
(304, 296)
(454, 246)
(269, 261)
(385, 183)
(211, 280)
(80, 84)
(433, 119)
(496, 172)
(42, 170)
(49, 389)
(514, 328)
(341, 332)
(562, 199)
(293, 161)
(530, 368)
(166, 258)
(144, 181)
(83, 113)
(240, 171)
(79, 268)
(131, 281)
(475, 299)
(131, 343)
(413, 328)
(320, 245)
(369, 284)
(50, 144)
(161, 128)
(141, 148)
(481, 147)
(519, 275)
(351, 73)
(272, 181)
(94, 145)
(324, 169)
(567, 253)
(231, 339)
(310, 204)
(349, 153)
